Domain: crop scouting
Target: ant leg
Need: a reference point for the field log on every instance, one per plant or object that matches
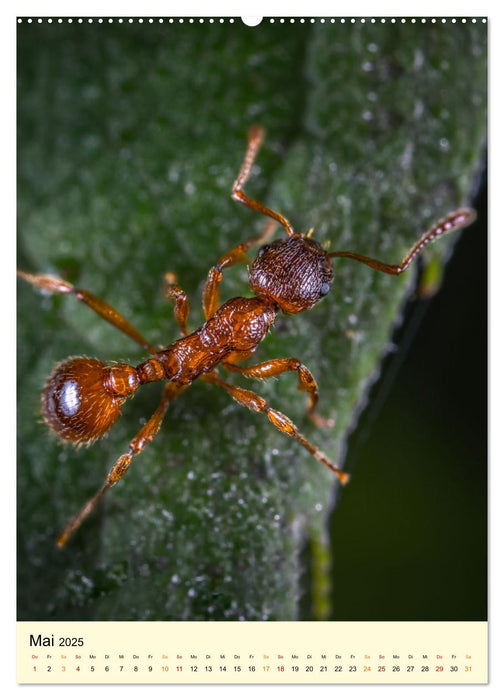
(452, 222)
(255, 137)
(234, 256)
(54, 285)
(254, 402)
(173, 291)
(306, 381)
(121, 466)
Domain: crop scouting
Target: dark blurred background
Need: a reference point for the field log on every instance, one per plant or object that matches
(421, 553)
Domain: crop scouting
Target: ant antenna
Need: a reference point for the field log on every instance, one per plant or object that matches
(452, 222)
(255, 137)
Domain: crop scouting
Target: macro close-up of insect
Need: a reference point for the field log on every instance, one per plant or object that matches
(83, 397)
(226, 293)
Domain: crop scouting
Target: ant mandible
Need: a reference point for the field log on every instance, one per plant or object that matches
(82, 398)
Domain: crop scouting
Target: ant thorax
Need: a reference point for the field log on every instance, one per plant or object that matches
(294, 272)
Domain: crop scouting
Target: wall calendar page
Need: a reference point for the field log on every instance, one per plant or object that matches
(251, 287)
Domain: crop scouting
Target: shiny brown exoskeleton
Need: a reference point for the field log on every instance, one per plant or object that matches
(82, 398)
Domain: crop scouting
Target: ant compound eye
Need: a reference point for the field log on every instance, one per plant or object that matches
(77, 403)
(325, 288)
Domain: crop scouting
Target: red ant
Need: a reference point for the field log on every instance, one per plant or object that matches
(82, 398)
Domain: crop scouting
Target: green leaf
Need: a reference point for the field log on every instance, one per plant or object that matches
(130, 138)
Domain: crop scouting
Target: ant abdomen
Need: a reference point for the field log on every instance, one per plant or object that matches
(82, 398)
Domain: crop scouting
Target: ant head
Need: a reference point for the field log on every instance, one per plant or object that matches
(294, 272)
